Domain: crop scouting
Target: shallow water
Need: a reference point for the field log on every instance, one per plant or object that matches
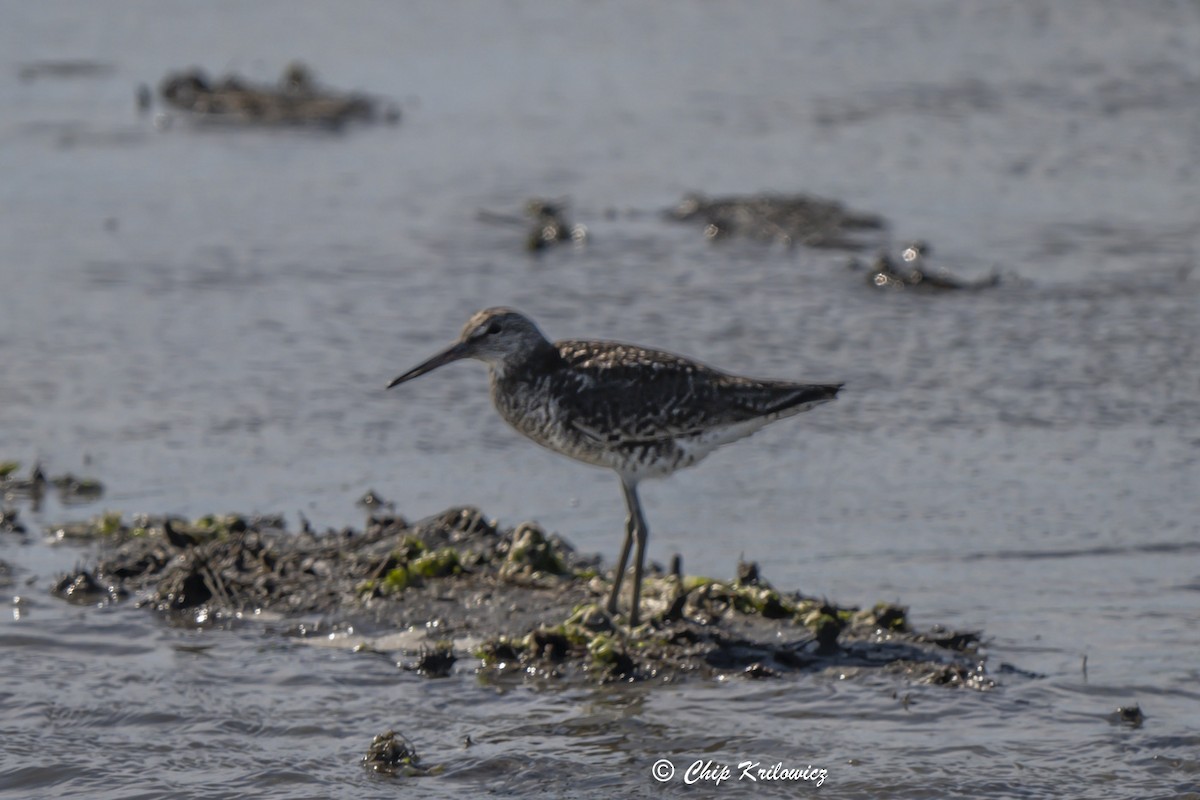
(204, 319)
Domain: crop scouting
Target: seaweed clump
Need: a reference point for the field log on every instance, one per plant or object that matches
(297, 99)
(791, 219)
(520, 600)
(709, 628)
(392, 753)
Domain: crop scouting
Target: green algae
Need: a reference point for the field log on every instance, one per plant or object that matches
(214, 526)
(410, 547)
(437, 564)
(888, 616)
(397, 580)
(587, 638)
(703, 625)
(532, 554)
(107, 525)
(691, 582)
(411, 564)
(498, 653)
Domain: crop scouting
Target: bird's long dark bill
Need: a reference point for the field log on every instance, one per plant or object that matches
(452, 353)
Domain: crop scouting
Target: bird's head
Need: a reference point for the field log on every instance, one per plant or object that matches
(499, 337)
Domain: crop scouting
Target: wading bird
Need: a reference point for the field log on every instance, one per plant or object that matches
(642, 413)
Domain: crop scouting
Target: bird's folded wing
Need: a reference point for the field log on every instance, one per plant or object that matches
(645, 411)
(628, 395)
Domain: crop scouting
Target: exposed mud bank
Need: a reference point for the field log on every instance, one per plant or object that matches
(515, 604)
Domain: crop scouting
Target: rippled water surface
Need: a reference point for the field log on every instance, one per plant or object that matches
(205, 319)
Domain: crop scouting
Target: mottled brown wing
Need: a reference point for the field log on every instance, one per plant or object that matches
(628, 395)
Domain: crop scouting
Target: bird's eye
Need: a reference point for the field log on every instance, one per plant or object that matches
(493, 328)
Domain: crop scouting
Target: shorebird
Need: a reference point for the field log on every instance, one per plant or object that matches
(642, 413)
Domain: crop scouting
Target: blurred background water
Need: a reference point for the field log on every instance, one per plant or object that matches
(205, 319)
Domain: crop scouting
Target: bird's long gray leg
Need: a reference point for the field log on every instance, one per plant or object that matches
(641, 534)
(630, 532)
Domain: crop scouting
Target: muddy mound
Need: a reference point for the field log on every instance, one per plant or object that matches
(517, 603)
(296, 100)
(792, 219)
